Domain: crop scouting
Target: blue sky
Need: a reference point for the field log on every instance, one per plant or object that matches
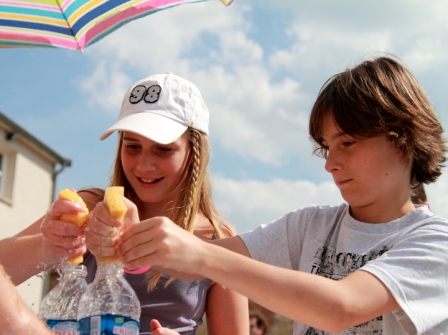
(259, 66)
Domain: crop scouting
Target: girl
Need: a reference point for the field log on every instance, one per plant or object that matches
(162, 160)
(373, 265)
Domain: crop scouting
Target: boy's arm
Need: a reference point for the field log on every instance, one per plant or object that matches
(234, 243)
(314, 300)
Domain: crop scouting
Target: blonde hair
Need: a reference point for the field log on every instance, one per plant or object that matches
(195, 194)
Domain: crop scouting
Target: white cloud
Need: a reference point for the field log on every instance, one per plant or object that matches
(106, 86)
(437, 195)
(248, 203)
(346, 32)
(251, 115)
(237, 47)
(328, 47)
(159, 40)
(426, 54)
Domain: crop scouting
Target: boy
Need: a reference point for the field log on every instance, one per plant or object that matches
(373, 265)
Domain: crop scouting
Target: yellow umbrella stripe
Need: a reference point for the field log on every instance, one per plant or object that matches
(82, 10)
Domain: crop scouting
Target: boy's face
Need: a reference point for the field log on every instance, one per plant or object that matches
(371, 174)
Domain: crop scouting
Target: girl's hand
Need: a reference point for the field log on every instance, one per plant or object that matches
(102, 230)
(61, 239)
(160, 242)
(157, 329)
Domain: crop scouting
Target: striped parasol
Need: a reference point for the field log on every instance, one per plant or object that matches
(73, 24)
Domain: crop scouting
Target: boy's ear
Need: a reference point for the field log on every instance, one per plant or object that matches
(393, 135)
(393, 138)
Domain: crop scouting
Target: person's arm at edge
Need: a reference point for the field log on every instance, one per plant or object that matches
(17, 318)
(22, 259)
(31, 251)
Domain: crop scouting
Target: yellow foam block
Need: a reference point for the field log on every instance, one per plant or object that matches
(79, 219)
(113, 200)
(76, 259)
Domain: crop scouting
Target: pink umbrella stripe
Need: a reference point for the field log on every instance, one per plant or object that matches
(55, 8)
(98, 31)
(24, 39)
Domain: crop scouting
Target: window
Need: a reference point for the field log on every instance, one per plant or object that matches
(7, 168)
(1, 173)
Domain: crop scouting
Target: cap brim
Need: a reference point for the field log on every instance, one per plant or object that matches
(156, 127)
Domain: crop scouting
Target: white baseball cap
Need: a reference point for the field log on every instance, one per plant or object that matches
(161, 107)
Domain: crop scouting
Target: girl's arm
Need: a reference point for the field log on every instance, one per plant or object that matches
(314, 300)
(227, 312)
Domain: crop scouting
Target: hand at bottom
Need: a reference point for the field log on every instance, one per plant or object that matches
(157, 329)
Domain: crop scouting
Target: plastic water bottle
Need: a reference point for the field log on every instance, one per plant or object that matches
(59, 307)
(109, 305)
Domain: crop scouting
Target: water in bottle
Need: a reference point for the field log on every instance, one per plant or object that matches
(60, 306)
(109, 305)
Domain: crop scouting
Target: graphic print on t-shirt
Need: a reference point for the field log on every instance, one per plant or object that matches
(330, 264)
(336, 265)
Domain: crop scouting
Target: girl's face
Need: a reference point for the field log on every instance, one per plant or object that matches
(155, 170)
(371, 174)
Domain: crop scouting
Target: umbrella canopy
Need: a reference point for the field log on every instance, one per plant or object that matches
(73, 24)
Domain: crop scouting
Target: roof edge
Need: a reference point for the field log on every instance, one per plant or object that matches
(18, 129)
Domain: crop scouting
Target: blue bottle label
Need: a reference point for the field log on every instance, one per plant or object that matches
(108, 324)
(63, 327)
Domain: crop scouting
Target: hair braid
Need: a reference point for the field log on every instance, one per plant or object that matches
(195, 197)
(185, 212)
(193, 189)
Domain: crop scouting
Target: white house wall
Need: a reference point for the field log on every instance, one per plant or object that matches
(31, 197)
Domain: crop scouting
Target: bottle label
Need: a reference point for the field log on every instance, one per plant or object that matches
(109, 324)
(63, 327)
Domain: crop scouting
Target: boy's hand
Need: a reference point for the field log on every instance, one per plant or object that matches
(161, 243)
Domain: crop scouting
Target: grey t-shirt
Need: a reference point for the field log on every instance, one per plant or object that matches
(409, 255)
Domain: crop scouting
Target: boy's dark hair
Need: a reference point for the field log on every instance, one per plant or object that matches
(418, 195)
(382, 97)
